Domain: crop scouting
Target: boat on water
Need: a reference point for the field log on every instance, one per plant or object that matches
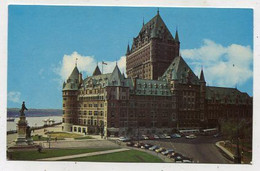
(10, 119)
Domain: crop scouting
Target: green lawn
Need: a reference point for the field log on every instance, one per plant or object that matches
(62, 135)
(84, 137)
(125, 156)
(46, 153)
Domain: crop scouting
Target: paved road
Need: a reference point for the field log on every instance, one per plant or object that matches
(202, 149)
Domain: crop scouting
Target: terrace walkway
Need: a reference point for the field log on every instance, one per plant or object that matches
(83, 155)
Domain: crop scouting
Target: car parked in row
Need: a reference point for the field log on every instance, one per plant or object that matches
(175, 136)
(168, 151)
(138, 145)
(124, 139)
(191, 136)
(130, 144)
(153, 148)
(159, 150)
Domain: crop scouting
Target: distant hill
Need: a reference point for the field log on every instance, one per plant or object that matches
(14, 112)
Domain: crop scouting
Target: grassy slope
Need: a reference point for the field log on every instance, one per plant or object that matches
(46, 153)
(125, 156)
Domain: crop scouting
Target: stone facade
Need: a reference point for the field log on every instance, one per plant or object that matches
(160, 94)
(152, 50)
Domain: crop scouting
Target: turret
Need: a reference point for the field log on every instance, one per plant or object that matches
(202, 79)
(128, 50)
(202, 83)
(69, 94)
(96, 71)
(177, 37)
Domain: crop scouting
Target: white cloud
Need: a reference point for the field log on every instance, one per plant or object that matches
(14, 96)
(86, 65)
(223, 66)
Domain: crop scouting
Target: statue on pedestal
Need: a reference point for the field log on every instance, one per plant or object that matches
(24, 137)
(22, 109)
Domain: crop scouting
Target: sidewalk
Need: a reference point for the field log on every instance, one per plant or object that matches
(227, 152)
(83, 155)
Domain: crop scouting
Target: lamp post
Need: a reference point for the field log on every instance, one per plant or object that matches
(49, 140)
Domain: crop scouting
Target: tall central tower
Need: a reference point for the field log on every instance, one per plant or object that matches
(152, 50)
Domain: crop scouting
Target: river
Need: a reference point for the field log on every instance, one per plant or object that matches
(32, 121)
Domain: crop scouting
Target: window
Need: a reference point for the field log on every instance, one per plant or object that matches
(95, 113)
(90, 112)
(95, 105)
(90, 105)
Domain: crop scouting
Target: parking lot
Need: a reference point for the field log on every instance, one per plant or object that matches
(201, 149)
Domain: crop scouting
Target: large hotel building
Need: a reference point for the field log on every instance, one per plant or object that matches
(160, 94)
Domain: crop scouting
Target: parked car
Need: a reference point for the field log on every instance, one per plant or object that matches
(167, 151)
(167, 136)
(130, 144)
(217, 135)
(170, 155)
(154, 147)
(175, 136)
(147, 146)
(161, 136)
(151, 137)
(156, 136)
(186, 160)
(145, 137)
(177, 157)
(191, 136)
(160, 150)
(138, 145)
(124, 139)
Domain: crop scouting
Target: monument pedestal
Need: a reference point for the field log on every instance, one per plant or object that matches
(24, 140)
(22, 126)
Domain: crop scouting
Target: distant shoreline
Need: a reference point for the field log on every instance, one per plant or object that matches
(14, 112)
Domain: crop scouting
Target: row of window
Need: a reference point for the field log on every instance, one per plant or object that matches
(94, 91)
(91, 112)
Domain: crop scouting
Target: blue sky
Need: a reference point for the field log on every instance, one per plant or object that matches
(43, 42)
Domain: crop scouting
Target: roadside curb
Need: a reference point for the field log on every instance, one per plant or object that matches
(223, 149)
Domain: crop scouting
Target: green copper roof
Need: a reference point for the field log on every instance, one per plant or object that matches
(177, 36)
(97, 71)
(179, 70)
(97, 80)
(156, 28)
(226, 95)
(202, 79)
(74, 74)
(116, 78)
(152, 87)
(72, 81)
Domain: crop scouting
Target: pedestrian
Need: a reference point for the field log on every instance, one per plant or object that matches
(40, 149)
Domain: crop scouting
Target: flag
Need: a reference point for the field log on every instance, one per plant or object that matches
(104, 63)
